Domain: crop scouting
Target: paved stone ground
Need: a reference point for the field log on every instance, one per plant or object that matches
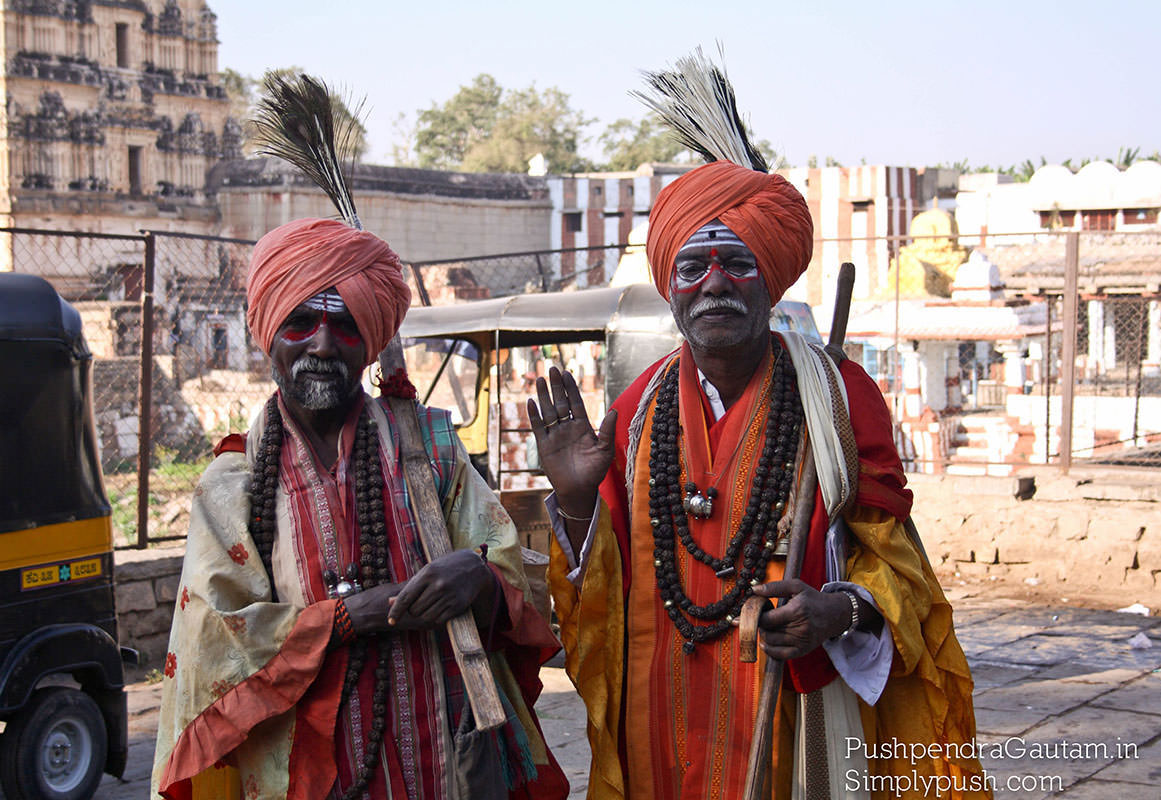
(1073, 710)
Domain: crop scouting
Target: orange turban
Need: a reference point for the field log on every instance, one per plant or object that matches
(765, 211)
(296, 261)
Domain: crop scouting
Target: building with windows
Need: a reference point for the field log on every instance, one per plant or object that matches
(861, 214)
(114, 115)
(1097, 197)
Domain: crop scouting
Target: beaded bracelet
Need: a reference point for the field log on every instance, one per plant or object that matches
(854, 614)
(343, 631)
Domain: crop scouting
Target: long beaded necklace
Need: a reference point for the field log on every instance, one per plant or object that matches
(373, 558)
(756, 538)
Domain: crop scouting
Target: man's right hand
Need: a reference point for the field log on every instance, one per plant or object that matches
(368, 609)
(573, 458)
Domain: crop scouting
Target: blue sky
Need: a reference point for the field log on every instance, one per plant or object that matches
(897, 83)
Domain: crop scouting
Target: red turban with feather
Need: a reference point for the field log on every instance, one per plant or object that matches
(764, 210)
(296, 261)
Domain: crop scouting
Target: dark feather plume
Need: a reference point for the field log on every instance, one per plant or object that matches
(295, 121)
(696, 100)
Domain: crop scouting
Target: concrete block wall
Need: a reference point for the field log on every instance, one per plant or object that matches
(1090, 536)
(1094, 538)
(147, 584)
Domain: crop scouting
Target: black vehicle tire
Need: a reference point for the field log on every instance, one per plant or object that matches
(54, 749)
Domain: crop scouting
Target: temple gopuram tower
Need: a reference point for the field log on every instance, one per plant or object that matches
(114, 114)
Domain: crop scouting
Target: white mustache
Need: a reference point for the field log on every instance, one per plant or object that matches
(708, 304)
(309, 363)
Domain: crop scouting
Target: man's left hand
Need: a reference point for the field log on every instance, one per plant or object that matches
(808, 619)
(441, 590)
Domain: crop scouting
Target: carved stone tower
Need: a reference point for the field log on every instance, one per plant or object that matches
(114, 114)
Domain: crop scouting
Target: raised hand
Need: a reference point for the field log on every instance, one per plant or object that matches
(573, 458)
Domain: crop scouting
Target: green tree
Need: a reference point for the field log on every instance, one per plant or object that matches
(628, 144)
(243, 91)
(484, 128)
(774, 160)
(444, 134)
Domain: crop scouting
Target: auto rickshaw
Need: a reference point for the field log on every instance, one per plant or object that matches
(62, 701)
(455, 355)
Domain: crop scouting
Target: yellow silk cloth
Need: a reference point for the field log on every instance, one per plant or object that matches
(618, 653)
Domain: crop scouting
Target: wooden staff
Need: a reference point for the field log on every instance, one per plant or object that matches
(465, 638)
(761, 744)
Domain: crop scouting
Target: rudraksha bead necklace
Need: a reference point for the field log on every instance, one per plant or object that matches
(373, 558)
(755, 539)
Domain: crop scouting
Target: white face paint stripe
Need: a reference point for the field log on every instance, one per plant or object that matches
(329, 301)
(713, 232)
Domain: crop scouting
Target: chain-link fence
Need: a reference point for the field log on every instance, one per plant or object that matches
(992, 353)
(209, 378)
(103, 277)
(996, 352)
(166, 311)
(164, 317)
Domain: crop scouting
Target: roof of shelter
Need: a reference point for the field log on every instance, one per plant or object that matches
(1108, 262)
(945, 320)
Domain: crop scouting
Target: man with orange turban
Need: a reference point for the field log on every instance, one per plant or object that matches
(678, 509)
(308, 656)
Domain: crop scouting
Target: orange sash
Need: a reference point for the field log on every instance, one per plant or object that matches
(696, 711)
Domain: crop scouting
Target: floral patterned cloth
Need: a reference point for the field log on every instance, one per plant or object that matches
(250, 704)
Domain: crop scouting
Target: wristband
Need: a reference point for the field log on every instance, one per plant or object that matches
(854, 614)
(343, 631)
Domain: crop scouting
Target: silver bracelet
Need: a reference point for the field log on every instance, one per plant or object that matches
(854, 614)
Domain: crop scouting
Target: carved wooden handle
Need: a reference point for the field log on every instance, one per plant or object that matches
(748, 629)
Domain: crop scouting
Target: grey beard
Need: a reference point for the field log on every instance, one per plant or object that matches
(313, 394)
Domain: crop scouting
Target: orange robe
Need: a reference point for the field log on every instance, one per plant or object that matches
(666, 724)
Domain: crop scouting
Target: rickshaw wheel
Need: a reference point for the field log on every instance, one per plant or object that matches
(55, 749)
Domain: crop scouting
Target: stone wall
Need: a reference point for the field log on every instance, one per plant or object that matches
(147, 583)
(1091, 536)
(425, 214)
(116, 404)
(1094, 538)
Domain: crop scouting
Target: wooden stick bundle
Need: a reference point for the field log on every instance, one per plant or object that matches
(761, 744)
(465, 638)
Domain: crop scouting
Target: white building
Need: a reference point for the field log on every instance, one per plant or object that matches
(1098, 197)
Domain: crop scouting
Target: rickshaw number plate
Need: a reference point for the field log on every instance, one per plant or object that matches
(53, 574)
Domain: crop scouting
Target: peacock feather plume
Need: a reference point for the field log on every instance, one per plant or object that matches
(696, 100)
(295, 121)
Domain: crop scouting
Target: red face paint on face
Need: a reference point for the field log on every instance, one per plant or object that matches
(301, 327)
(681, 285)
(695, 265)
(296, 335)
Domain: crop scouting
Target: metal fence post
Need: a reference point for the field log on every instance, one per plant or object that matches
(543, 275)
(145, 405)
(1048, 382)
(420, 286)
(1068, 347)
